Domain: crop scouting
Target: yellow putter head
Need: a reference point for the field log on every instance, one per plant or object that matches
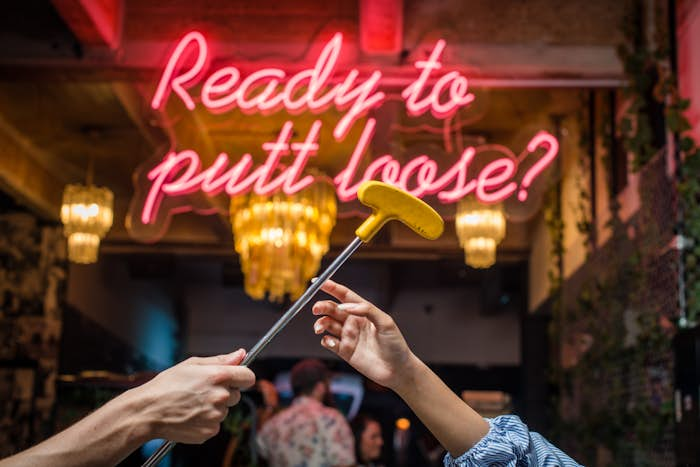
(387, 203)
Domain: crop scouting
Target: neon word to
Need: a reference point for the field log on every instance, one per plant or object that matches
(180, 173)
(309, 89)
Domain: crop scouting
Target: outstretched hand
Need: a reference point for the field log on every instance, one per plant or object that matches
(185, 403)
(189, 401)
(370, 341)
(363, 335)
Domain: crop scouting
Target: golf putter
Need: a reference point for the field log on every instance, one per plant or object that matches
(387, 203)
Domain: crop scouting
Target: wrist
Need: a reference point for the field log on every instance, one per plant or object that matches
(408, 374)
(133, 404)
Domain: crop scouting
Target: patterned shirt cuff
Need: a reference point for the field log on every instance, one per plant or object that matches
(509, 443)
(506, 443)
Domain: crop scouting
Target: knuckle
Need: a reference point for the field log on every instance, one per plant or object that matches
(220, 396)
(212, 430)
(216, 375)
(243, 377)
(251, 378)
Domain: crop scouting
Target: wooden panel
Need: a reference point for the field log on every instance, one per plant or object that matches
(237, 20)
(27, 181)
(74, 122)
(550, 22)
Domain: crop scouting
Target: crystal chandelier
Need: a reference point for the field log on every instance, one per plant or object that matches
(480, 228)
(86, 214)
(281, 238)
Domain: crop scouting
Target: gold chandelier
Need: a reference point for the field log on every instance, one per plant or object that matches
(281, 238)
(86, 214)
(480, 228)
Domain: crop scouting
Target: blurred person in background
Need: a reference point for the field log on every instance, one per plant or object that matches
(368, 440)
(308, 432)
(270, 401)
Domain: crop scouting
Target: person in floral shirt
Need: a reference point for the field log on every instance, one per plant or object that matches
(308, 433)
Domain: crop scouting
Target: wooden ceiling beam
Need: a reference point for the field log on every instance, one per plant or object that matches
(486, 65)
(30, 183)
(367, 252)
(136, 107)
(96, 23)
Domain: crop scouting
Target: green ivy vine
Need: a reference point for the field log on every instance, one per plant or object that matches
(653, 88)
(616, 393)
(689, 194)
(644, 61)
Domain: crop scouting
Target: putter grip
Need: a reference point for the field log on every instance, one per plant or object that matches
(389, 202)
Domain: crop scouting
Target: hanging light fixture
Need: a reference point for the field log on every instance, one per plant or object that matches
(480, 228)
(86, 214)
(282, 238)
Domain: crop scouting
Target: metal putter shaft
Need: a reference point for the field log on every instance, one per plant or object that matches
(387, 203)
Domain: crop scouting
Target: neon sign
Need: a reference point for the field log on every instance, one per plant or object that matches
(315, 90)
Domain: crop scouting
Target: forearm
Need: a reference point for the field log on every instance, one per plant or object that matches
(104, 437)
(455, 425)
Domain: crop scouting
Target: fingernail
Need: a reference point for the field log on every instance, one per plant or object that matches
(317, 328)
(314, 279)
(330, 342)
(347, 306)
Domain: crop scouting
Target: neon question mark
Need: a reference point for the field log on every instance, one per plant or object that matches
(540, 165)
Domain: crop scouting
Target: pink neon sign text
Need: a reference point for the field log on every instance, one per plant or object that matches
(316, 89)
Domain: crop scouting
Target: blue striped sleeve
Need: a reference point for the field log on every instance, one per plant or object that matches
(509, 443)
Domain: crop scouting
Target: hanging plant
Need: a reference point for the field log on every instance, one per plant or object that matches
(689, 194)
(615, 392)
(642, 122)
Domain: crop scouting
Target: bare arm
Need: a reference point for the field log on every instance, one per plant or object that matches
(370, 341)
(185, 403)
(456, 425)
(104, 437)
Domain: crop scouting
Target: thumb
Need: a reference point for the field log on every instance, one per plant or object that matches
(234, 358)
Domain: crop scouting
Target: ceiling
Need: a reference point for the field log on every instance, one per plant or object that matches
(76, 79)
